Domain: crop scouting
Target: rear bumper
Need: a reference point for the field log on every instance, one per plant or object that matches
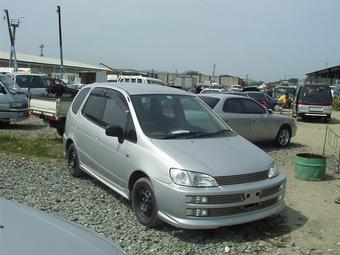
(314, 110)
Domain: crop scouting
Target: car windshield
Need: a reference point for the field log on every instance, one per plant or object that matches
(10, 84)
(176, 117)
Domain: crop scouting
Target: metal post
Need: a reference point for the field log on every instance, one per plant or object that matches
(324, 142)
(11, 38)
(61, 44)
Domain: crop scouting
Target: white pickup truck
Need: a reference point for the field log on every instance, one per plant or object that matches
(52, 110)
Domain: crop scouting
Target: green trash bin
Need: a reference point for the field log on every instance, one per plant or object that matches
(310, 167)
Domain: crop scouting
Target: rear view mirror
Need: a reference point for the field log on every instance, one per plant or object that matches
(115, 131)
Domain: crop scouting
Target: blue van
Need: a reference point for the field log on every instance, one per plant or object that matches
(13, 101)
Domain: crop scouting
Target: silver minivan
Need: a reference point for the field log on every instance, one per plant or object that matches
(13, 101)
(171, 155)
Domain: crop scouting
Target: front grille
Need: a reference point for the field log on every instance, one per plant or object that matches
(222, 199)
(242, 178)
(227, 211)
(270, 191)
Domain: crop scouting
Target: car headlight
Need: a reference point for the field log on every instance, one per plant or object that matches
(191, 179)
(272, 170)
(15, 105)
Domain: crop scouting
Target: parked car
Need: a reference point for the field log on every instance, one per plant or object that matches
(139, 79)
(31, 83)
(148, 144)
(29, 231)
(313, 100)
(259, 97)
(13, 101)
(251, 120)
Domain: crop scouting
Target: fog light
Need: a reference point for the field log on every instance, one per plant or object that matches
(189, 212)
(189, 199)
(196, 199)
(197, 212)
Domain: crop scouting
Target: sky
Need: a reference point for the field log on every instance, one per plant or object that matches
(264, 39)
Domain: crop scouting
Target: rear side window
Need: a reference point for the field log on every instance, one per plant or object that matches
(252, 107)
(233, 105)
(210, 101)
(79, 100)
(94, 106)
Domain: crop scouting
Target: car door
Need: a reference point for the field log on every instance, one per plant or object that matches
(261, 123)
(90, 130)
(114, 157)
(236, 117)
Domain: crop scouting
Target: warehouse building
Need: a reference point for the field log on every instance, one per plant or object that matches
(73, 71)
(330, 75)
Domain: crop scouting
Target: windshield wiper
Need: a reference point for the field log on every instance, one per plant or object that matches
(212, 134)
(182, 135)
(196, 134)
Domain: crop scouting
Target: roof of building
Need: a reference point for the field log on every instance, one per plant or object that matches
(325, 70)
(49, 61)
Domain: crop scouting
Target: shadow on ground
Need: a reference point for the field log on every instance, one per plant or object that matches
(269, 228)
(268, 146)
(17, 126)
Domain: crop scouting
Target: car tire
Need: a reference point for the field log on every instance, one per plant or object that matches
(61, 131)
(144, 203)
(283, 136)
(73, 162)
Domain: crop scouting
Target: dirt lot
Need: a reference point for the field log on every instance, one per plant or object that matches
(309, 225)
(311, 213)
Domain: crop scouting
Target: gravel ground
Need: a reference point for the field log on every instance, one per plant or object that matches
(297, 230)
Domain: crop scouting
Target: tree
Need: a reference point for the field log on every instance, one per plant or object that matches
(293, 80)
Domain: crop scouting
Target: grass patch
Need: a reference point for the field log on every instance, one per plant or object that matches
(336, 104)
(36, 146)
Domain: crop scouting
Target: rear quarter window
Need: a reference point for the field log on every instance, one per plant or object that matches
(79, 100)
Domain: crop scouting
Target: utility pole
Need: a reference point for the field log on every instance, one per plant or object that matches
(213, 72)
(60, 44)
(14, 23)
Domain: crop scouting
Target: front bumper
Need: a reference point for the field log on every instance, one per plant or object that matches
(228, 205)
(16, 115)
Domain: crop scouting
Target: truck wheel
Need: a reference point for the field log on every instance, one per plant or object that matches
(73, 162)
(283, 137)
(144, 203)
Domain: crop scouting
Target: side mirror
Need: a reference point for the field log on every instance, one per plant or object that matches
(270, 111)
(115, 131)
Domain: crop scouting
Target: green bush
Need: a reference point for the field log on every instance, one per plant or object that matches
(336, 104)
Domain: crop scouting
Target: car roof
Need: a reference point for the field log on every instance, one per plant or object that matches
(140, 88)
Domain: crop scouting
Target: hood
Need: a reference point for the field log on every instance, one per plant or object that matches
(29, 231)
(220, 156)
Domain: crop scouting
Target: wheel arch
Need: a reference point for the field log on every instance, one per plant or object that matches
(134, 177)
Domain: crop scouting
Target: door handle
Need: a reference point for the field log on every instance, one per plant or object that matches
(98, 138)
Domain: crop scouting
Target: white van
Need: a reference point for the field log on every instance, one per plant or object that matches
(139, 79)
(13, 101)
